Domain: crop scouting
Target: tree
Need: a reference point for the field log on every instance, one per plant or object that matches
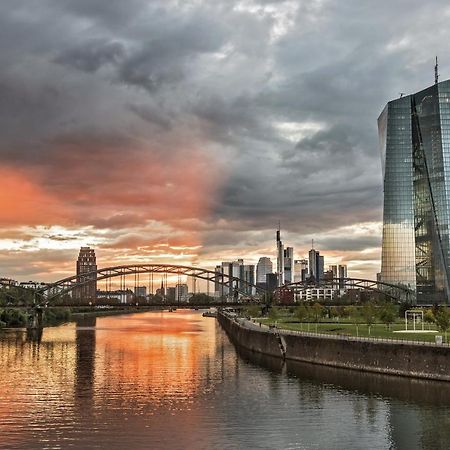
(355, 314)
(388, 314)
(273, 313)
(301, 313)
(369, 314)
(252, 311)
(442, 320)
(428, 317)
(316, 312)
(13, 317)
(341, 312)
(404, 306)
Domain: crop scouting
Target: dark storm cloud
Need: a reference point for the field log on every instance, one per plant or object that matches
(92, 55)
(282, 96)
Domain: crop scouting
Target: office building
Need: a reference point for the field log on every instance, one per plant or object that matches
(342, 270)
(248, 276)
(263, 267)
(241, 274)
(181, 293)
(414, 133)
(140, 291)
(280, 259)
(339, 270)
(218, 288)
(271, 281)
(86, 263)
(170, 294)
(119, 296)
(321, 267)
(315, 294)
(288, 254)
(300, 270)
(316, 265)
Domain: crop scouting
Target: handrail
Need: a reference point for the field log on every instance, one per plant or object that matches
(242, 321)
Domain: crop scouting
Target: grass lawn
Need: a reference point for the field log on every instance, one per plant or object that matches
(377, 330)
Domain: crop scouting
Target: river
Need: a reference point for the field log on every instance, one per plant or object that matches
(161, 380)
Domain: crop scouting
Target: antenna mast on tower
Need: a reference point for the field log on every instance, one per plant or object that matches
(436, 72)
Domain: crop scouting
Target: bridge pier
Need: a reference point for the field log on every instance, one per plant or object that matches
(36, 319)
(34, 334)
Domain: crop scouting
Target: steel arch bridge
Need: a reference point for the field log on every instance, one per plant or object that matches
(66, 285)
(393, 291)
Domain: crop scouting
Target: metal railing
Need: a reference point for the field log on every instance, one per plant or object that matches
(245, 322)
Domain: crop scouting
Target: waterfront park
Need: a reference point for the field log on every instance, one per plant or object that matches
(373, 320)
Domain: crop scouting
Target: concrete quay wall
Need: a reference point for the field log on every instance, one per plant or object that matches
(394, 358)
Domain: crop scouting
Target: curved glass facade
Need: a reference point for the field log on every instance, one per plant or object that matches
(414, 136)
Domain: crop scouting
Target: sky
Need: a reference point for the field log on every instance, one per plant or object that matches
(183, 131)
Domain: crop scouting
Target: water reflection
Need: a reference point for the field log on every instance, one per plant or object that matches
(85, 341)
(173, 380)
(418, 409)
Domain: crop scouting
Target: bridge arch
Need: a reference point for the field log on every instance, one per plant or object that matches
(393, 291)
(66, 285)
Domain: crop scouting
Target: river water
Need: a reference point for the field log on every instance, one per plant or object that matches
(161, 380)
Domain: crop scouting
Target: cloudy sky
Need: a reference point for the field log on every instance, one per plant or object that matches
(182, 131)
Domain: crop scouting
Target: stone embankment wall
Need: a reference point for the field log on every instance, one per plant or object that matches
(405, 359)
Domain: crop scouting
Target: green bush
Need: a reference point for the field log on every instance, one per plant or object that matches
(14, 317)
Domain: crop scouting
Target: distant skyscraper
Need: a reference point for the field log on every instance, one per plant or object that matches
(313, 257)
(235, 269)
(181, 293)
(86, 263)
(140, 291)
(316, 264)
(334, 270)
(263, 267)
(218, 288)
(342, 268)
(248, 275)
(271, 281)
(414, 133)
(288, 255)
(226, 269)
(339, 270)
(171, 294)
(280, 259)
(300, 270)
(320, 268)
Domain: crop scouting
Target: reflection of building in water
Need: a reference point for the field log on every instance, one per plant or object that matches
(85, 360)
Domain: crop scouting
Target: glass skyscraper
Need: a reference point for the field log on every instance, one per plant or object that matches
(414, 133)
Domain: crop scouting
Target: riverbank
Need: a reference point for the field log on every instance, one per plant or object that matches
(112, 312)
(425, 360)
(14, 318)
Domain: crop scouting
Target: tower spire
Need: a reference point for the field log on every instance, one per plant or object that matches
(436, 72)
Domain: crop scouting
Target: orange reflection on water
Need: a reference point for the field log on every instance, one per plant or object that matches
(141, 367)
(173, 354)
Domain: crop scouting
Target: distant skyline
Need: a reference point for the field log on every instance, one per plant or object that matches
(182, 132)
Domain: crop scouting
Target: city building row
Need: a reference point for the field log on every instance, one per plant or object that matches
(287, 270)
(247, 278)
